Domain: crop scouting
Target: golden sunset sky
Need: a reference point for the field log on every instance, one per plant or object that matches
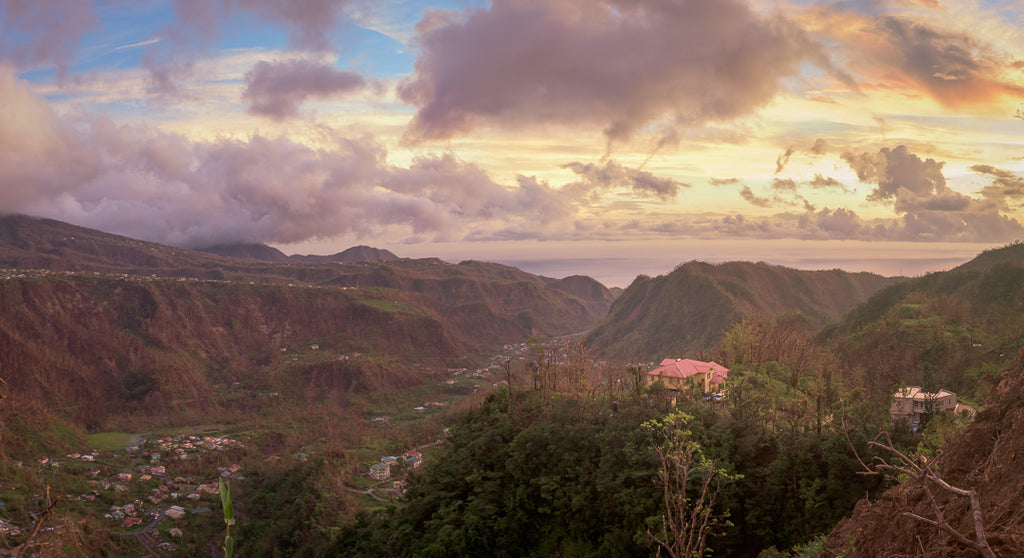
(607, 138)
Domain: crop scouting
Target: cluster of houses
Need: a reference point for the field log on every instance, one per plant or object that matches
(180, 447)
(391, 465)
(154, 473)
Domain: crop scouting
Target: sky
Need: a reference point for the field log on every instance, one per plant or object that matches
(602, 137)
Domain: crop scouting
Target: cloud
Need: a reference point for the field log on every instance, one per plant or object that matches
(784, 184)
(895, 171)
(723, 181)
(839, 223)
(820, 182)
(44, 32)
(1007, 188)
(927, 208)
(165, 78)
(311, 24)
(753, 199)
(618, 64)
(927, 56)
(954, 68)
(783, 159)
(613, 175)
(163, 187)
(277, 89)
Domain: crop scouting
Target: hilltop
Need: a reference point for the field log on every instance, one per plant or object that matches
(262, 252)
(689, 310)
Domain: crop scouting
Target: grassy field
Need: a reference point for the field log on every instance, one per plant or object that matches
(110, 441)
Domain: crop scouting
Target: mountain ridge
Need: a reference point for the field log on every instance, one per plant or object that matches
(688, 310)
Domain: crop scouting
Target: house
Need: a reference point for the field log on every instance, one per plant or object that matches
(380, 471)
(912, 403)
(680, 373)
(131, 521)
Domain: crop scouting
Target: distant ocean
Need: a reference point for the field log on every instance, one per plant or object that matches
(621, 271)
(617, 263)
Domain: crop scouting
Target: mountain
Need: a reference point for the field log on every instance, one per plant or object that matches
(351, 255)
(264, 253)
(689, 310)
(92, 322)
(953, 330)
(260, 252)
(985, 458)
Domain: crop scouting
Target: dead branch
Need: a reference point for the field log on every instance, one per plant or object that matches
(42, 518)
(921, 469)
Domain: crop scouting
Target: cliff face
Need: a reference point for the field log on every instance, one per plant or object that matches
(987, 458)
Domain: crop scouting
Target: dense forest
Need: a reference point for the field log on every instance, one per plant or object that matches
(576, 472)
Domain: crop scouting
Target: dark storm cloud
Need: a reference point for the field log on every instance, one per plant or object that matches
(277, 89)
(619, 64)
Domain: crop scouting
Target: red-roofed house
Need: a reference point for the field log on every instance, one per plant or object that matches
(677, 373)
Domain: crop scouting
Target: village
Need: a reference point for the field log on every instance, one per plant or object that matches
(162, 489)
(132, 490)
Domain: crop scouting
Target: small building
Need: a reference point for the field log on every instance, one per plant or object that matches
(131, 521)
(681, 373)
(380, 471)
(912, 403)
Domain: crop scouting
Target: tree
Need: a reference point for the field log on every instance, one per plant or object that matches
(689, 514)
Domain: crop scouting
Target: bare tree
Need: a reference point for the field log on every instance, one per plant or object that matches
(689, 514)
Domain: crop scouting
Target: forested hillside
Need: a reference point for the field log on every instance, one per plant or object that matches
(575, 472)
(689, 310)
(954, 330)
(100, 329)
